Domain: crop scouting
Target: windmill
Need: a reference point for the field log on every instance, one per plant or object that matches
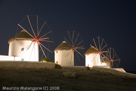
(39, 31)
(92, 57)
(75, 40)
(113, 57)
(101, 46)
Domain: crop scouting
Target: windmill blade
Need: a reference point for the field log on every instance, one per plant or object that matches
(45, 34)
(68, 54)
(79, 53)
(29, 46)
(24, 29)
(109, 53)
(91, 45)
(117, 60)
(115, 64)
(80, 47)
(79, 43)
(104, 55)
(116, 56)
(118, 63)
(34, 24)
(22, 20)
(42, 51)
(67, 41)
(102, 42)
(113, 56)
(95, 44)
(21, 26)
(99, 43)
(70, 37)
(94, 58)
(48, 41)
(31, 25)
(31, 52)
(101, 58)
(111, 64)
(37, 23)
(104, 47)
(76, 38)
(78, 57)
(42, 55)
(41, 28)
(46, 47)
(35, 55)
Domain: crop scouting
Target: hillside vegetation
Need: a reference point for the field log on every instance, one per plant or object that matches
(68, 79)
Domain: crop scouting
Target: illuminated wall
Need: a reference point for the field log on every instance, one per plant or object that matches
(64, 57)
(9, 58)
(92, 59)
(25, 49)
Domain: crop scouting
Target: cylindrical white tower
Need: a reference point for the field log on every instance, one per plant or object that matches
(92, 57)
(64, 55)
(21, 45)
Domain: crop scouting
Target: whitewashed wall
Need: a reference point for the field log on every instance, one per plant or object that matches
(9, 58)
(30, 52)
(64, 57)
(92, 60)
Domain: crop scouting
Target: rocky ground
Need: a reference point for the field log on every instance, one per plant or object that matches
(67, 79)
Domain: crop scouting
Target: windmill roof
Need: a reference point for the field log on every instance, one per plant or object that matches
(23, 35)
(91, 50)
(63, 46)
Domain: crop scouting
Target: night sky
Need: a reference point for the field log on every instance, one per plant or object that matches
(115, 21)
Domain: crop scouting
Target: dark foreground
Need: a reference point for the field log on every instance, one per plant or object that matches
(85, 80)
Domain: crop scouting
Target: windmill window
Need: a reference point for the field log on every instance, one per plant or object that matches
(22, 49)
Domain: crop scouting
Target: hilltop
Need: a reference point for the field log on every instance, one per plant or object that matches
(80, 79)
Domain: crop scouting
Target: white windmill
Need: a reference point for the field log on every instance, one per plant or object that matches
(113, 59)
(18, 45)
(26, 43)
(64, 55)
(72, 49)
(94, 56)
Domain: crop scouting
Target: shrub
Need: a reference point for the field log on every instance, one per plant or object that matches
(46, 60)
(57, 66)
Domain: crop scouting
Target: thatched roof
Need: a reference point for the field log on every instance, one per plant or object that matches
(23, 35)
(91, 50)
(63, 46)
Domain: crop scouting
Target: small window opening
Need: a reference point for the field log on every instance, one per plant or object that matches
(22, 49)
